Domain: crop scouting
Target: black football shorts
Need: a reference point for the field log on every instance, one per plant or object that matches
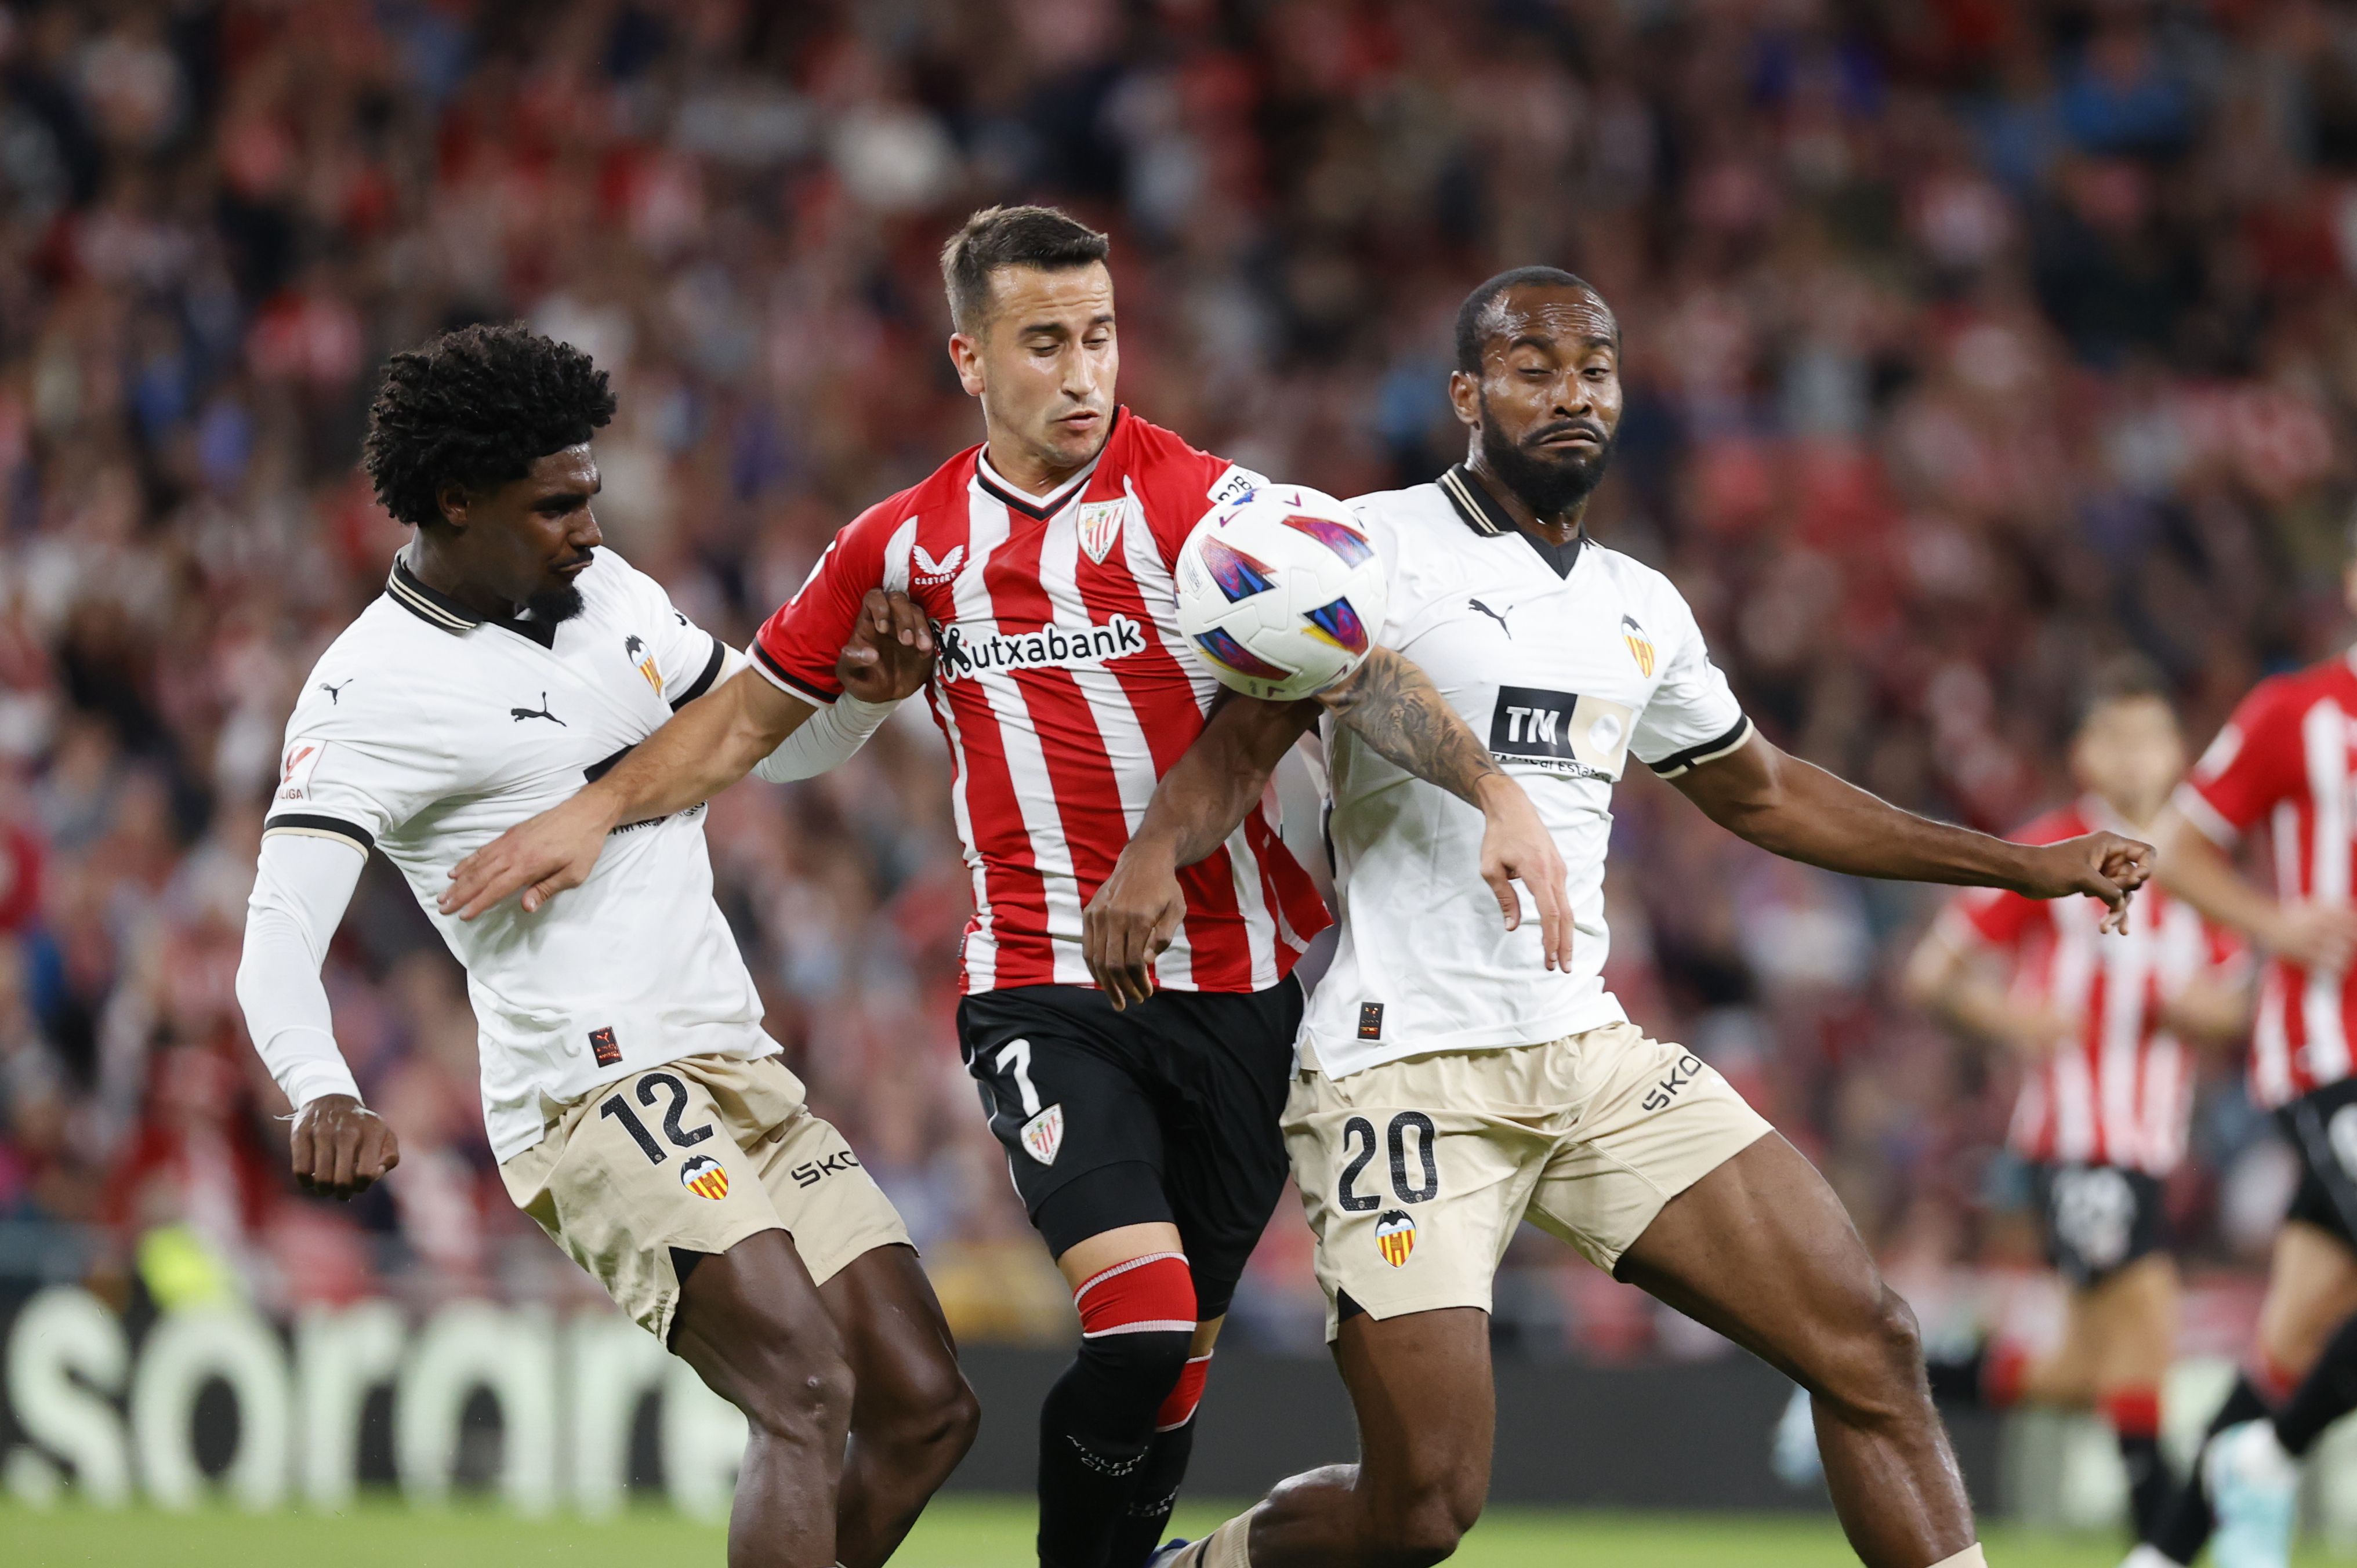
(2099, 1218)
(1167, 1113)
(2323, 1127)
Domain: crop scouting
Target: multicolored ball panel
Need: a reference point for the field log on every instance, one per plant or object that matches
(1339, 537)
(1222, 648)
(1339, 624)
(1238, 575)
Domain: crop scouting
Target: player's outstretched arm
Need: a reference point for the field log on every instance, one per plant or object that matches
(2192, 867)
(709, 744)
(1393, 707)
(1207, 792)
(1801, 811)
(301, 885)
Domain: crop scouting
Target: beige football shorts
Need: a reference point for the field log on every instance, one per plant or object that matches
(1415, 1172)
(697, 1154)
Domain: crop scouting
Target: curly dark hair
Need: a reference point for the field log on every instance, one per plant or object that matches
(477, 407)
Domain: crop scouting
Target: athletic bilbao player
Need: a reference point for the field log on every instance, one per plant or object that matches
(2287, 757)
(2104, 1026)
(1145, 1143)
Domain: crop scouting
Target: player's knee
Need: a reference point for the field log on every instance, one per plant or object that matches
(1875, 1370)
(805, 1396)
(938, 1422)
(1137, 1322)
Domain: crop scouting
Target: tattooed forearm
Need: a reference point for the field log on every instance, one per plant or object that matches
(1394, 708)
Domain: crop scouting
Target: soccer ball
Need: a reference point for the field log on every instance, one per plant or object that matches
(1281, 592)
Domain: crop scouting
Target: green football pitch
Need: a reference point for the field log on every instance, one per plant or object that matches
(955, 1533)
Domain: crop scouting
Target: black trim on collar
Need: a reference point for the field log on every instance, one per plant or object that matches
(702, 683)
(431, 606)
(438, 609)
(1031, 506)
(1475, 504)
(1482, 514)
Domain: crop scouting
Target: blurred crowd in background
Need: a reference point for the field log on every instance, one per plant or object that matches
(1966, 341)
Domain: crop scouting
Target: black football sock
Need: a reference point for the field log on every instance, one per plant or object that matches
(1137, 1323)
(1095, 1430)
(1152, 1498)
(2187, 1522)
(2324, 1396)
(2134, 1416)
(2149, 1490)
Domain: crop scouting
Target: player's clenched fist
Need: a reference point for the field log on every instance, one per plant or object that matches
(340, 1147)
(892, 649)
(2100, 865)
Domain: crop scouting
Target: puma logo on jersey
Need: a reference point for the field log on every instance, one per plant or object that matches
(966, 654)
(929, 572)
(1493, 615)
(334, 698)
(520, 715)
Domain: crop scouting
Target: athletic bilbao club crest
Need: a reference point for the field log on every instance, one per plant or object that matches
(1395, 1235)
(705, 1177)
(1641, 647)
(1101, 523)
(1044, 1135)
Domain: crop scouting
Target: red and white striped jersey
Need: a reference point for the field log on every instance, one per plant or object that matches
(1066, 690)
(2121, 1093)
(2285, 757)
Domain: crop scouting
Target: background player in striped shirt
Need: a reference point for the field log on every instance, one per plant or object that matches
(2104, 1026)
(1146, 1144)
(2286, 758)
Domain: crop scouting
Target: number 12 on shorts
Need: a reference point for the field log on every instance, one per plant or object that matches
(1358, 1143)
(620, 1110)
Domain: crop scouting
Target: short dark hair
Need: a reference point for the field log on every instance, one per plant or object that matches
(996, 237)
(1471, 329)
(477, 407)
(2121, 678)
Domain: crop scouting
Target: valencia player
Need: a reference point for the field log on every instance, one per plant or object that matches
(1453, 1083)
(637, 1109)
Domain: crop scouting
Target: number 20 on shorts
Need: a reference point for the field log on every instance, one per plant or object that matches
(1358, 1143)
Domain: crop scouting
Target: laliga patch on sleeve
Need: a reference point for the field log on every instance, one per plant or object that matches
(1585, 736)
(295, 768)
(1233, 485)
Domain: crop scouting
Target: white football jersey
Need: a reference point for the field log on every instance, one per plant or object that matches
(1565, 665)
(425, 731)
